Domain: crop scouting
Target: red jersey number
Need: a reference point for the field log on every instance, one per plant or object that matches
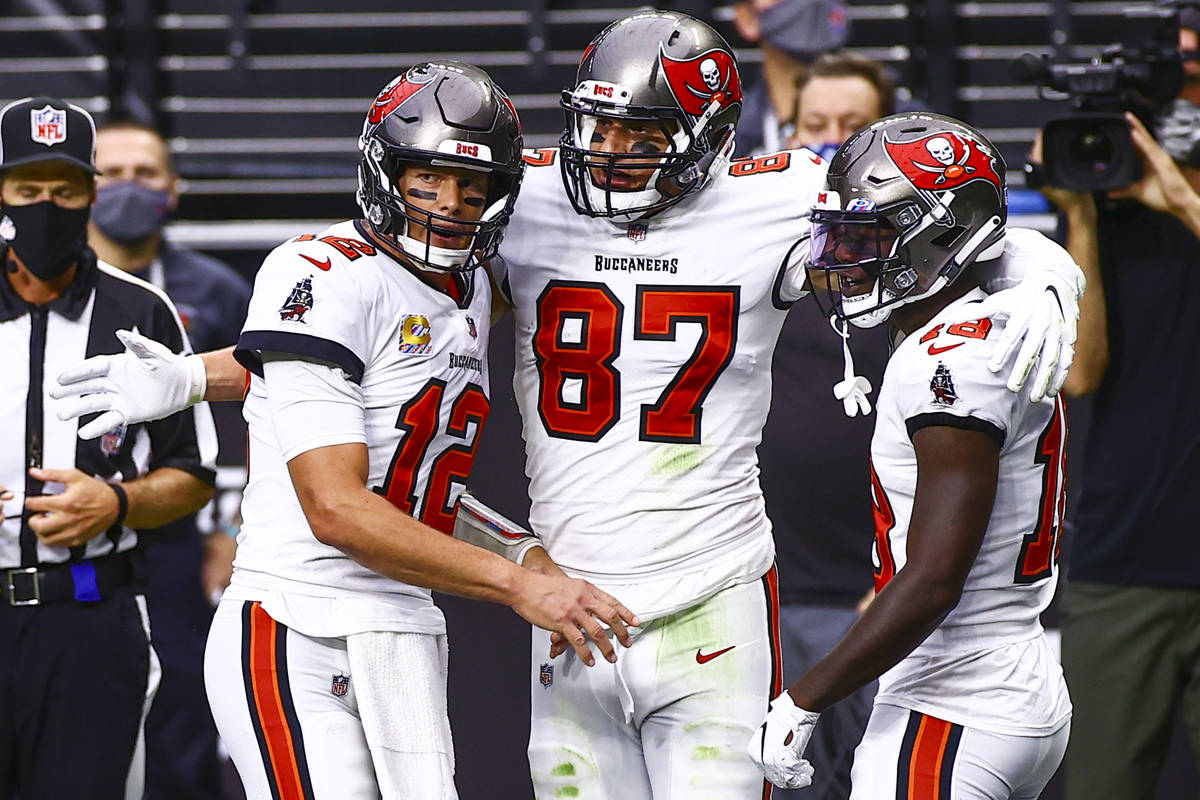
(1040, 548)
(420, 419)
(885, 520)
(578, 340)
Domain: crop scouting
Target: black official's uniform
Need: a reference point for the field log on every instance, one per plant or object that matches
(74, 617)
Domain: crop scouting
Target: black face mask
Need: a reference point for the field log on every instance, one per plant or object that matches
(47, 237)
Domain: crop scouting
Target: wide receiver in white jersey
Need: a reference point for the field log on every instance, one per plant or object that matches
(367, 345)
(648, 299)
(967, 484)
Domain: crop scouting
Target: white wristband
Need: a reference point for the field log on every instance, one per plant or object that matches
(197, 379)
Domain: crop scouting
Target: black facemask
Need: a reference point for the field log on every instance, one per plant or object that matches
(47, 237)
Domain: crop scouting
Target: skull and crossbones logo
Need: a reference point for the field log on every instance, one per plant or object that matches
(711, 74)
(942, 150)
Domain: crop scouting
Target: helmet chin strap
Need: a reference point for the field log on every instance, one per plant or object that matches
(852, 389)
(442, 256)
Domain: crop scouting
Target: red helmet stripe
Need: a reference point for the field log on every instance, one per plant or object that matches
(392, 98)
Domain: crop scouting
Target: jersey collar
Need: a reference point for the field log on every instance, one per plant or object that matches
(69, 304)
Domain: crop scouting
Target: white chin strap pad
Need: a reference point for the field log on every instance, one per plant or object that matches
(440, 256)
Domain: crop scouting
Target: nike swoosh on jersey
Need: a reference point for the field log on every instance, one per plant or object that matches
(934, 349)
(325, 265)
(702, 658)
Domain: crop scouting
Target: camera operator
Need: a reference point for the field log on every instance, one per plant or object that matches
(1131, 611)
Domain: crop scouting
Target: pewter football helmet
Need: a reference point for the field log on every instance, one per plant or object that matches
(664, 69)
(449, 114)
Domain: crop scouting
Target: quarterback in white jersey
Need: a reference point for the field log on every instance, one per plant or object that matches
(967, 483)
(367, 343)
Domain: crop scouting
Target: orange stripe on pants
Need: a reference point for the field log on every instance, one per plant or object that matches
(269, 705)
(925, 767)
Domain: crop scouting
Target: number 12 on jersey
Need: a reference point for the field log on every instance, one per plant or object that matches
(578, 338)
(420, 419)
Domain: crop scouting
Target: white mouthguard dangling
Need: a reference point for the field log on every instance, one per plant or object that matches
(852, 389)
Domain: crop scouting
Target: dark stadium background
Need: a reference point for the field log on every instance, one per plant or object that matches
(262, 101)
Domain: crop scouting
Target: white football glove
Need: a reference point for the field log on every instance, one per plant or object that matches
(1041, 321)
(145, 382)
(777, 747)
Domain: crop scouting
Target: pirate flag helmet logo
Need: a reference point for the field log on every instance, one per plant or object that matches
(943, 160)
(697, 83)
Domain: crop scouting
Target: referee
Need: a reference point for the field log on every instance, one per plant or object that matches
(77, 673)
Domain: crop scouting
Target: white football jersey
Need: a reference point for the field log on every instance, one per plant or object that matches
(420, 359)
(643, 374)
(987, 665)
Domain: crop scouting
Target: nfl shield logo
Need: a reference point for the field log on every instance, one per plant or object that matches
(48, 125)
(471, 328)
(546, 675)
(110, 443)
(637, 231)
(340, 685)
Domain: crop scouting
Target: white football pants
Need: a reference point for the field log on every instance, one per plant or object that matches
(352, 718)
(910, 755)
(670, 720)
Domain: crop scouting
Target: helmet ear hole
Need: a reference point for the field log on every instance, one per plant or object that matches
(946, 239)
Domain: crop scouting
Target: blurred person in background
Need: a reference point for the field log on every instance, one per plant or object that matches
(789, 33)
(1131, 608)
(814, 491)
(137, 191)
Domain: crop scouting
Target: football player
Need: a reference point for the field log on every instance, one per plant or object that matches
(647, 301)
(367, 347)
(967, 483)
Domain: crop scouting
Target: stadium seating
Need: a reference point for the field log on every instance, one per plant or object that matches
(263, 105)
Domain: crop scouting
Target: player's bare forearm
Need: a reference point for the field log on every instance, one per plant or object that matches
(330, 483)
(956, 487)
(1091, 346)
(226, 377)
(164, 495)
(538, 560)
(893, 625)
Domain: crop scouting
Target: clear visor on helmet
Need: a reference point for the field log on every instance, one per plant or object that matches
(845, 239)
(849, 252)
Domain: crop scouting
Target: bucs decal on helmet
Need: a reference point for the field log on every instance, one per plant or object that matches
(394, 95)
(941, 161)
(697, 82)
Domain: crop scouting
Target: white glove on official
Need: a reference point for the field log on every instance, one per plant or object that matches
(777, 747)
(1041, 321)
(145, 382)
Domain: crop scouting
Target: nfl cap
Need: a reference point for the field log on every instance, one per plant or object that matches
(46, 128)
